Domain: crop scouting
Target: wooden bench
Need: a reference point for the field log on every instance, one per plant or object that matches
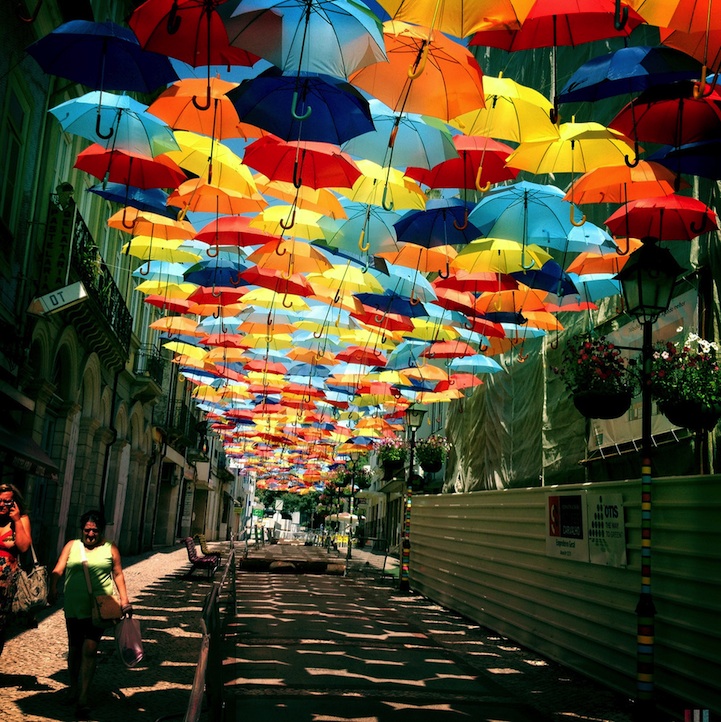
(203, 542)
(209, 562)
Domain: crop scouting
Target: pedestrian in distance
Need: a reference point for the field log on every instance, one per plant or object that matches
(105, 568)
(15, 538)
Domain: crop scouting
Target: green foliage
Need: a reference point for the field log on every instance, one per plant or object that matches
(304, 503)
(391, 449)
(688, 373)
(592, 363)
(432, 449)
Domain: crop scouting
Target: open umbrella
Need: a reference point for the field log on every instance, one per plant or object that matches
(281, 104)
(441, 223)
(197, 195)
(427, 72)
(701, 159)
(115, 121)
(668, 218)
(333, 37)
(132, 169)
(102, 56)
(153, 200)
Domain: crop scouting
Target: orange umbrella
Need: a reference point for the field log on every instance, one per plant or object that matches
(146, 223)
(292, 256)
(197, 195)
(587, 263)
(427, 260)
(320, 200)
(427, 72)
(232, 231)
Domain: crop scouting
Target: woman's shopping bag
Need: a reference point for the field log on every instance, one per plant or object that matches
(129, 639)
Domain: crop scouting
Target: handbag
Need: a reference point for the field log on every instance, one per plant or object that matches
(31, 590)
(105, 609)
(129, 640)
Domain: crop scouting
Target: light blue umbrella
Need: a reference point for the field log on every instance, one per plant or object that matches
(476, 364)
(116, 121)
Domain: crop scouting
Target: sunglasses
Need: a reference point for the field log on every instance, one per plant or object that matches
(91, 531)
(7, 502)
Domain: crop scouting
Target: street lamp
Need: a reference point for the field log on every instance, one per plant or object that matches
(414, 419)
(354, 457)
(647, 281)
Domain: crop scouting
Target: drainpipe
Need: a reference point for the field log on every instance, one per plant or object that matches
(108, 447)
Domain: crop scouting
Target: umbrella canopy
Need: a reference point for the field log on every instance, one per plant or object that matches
(441, 223)
(116, 121)
(132, 169)
(145, 199)
(668, 218)
(281, 104)
(498, 255)
(444, 81)
(333, 37)
(102, 56)
(701, 159)
(318, 165)
(480, 162)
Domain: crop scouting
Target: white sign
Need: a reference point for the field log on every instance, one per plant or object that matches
(606, 529)
(58, 300)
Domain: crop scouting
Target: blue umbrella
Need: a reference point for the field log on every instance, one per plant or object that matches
(390, 302)
(441, 223)
(217, 272)
(550, 277)
(335, 111)
(144, 199)
(702, 158)
(474, 365)
(628, 70)
(116, 120)
(102, 56)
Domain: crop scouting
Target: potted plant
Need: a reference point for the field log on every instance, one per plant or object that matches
(601, 380)
(431, 452)
(391, 454)
(685, 381)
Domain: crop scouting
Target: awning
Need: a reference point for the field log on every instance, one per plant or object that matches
(23, 453)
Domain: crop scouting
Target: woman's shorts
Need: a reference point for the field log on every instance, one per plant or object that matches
(81, 629)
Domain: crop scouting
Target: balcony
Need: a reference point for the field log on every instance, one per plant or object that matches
(148, 369)
(70, 255)
(180, 426)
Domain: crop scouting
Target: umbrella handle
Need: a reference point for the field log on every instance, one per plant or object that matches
(213, 253)
(317, 334)
(416, 70)
(122, 220)
(522, 356)
(285, 226)
(697, 229)
(173, 24)
(146, 271)
(483, 348)
(480, 188)
(206, 105)
(462, 226)
(100, 134)
(635, 162)
(33, 16)
(294, 108)
(237, 280)
(619, 252)
(387, 205)
(578, 224)
(361, 245)
(620, 17)
(447, 272)
(213, 293)
(699, 89)
(289, 304)
(523, 262)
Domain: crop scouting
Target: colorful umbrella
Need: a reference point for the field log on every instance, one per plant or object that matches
(131, 169)
(441, 223)
(498, 255)
(102, 56)
(145, 199)
(317, 36)
(197, 195)
(427, 72)
(281, 103)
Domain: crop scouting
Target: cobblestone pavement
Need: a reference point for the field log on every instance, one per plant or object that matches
(33, 666)
(33, 673)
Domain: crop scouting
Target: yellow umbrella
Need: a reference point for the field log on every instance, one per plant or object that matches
(386, 187)
(290, 220)
(513, 112)
(320, 200)
(176, 324)
(431, 330)
(265, 298)
(435, 397)
(186, 349)
(346, 277)
(498, 255)
(168, 289)
(276, 342)
(151, 249)
(426, 372)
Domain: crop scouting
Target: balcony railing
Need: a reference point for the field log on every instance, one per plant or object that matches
(148, 362)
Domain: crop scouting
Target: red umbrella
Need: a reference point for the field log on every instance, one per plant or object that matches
(388, 321)
(668, 218)
(233, 231)
(317, 165)
(363, 356)
(476, 281)
(449, 349)
(458, 381)
(189, 30)
(131, 169)
(671, 115)
(167, 304)
(481, 161)
(217, 296)
(278, 281)
(270, 367)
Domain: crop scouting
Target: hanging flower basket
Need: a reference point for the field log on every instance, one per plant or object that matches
(432, 452)
(602, 404)
(391, 469)
(693, 415)
(431, 467)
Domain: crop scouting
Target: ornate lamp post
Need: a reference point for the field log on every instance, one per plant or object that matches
(354, 457)
(647, 281)
(414, 419)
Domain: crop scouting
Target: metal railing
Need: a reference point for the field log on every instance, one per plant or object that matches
(148, 362)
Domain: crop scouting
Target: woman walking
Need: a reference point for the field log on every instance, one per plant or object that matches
(105, 568)
(14, 539)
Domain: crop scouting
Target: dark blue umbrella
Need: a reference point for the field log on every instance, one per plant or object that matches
(442, 223)
(144, 199)
(628, 70)
(550, 277)
(218, 272)
(303, 106)
(702, 159)
(103, 56)
(392, 303)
